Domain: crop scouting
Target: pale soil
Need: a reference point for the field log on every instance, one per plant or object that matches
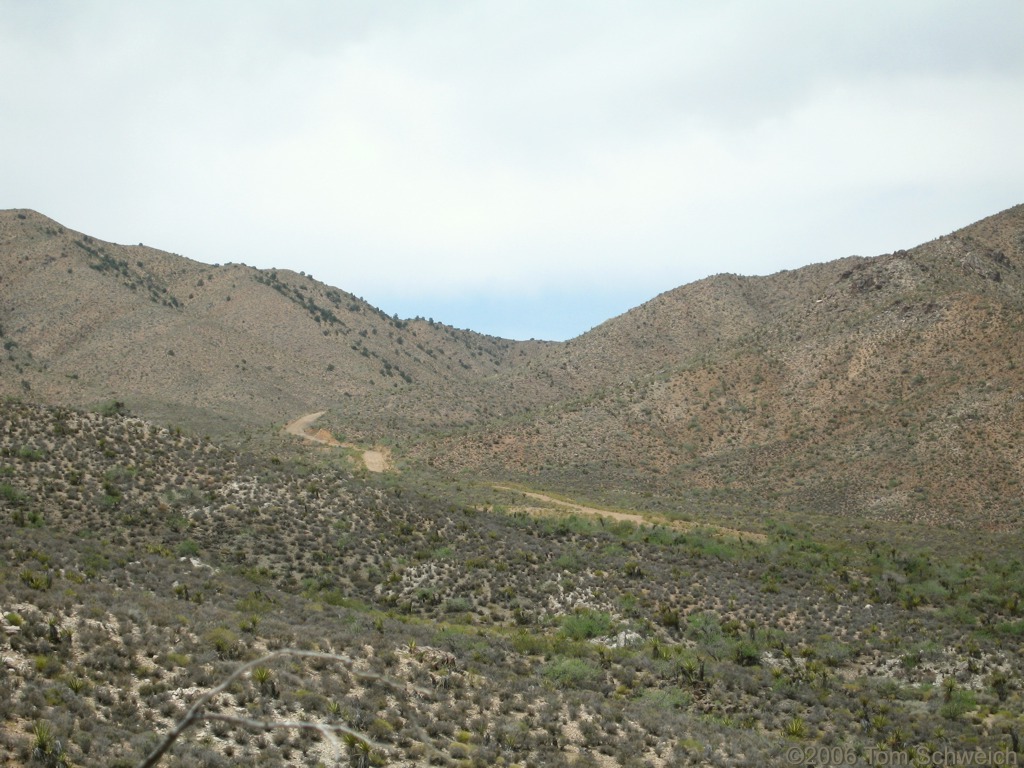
(303, 427)
(630, 517)
(375, 460)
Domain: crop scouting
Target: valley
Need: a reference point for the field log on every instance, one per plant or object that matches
(750, 516)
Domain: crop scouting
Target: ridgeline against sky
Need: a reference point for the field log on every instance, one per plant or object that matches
(520, 170)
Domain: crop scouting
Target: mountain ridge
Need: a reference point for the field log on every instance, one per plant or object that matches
(168, 316)
(870, 386)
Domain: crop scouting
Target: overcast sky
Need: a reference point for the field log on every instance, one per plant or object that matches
(522, 168)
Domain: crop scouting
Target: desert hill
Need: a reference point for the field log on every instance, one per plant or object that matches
(749, 520)
(882, 387)
(885, 387)
(85, 321)
(142, 565)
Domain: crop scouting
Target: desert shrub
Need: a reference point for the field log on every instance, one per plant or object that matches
(569, 560)
(959, 702)
(48, 665)
(746, 653)
(1010, 629)
(833, 652)
(224, 641)
(12, 495)
(573, 672)
(796, 728)
(665, 698)
(457, 605)
(46, 748)
(587, 624)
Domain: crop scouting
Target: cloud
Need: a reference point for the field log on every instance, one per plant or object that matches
(454, 150)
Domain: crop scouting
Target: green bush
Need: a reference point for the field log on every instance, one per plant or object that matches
(666, 698)
(188, 548)
(457, 605)
(587, 624)
(224, 641)
(40, 581)
(574, 673)
(747, 654)
(11, 495)
(796, 728)
(960, 702)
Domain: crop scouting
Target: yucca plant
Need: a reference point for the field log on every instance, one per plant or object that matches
(358, 750)
(47, 749)
(796, 728)
(264, 678)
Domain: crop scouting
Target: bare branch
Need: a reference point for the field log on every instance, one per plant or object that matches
(328, 730)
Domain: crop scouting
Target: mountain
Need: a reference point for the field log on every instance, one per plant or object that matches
(884, 387)
(84, 321)
(878, 388)
(754, 521)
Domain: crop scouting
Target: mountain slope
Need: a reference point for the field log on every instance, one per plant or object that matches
(883, 386)
(86, 321)
(142, 566)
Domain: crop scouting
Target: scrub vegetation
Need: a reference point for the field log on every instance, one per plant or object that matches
(749, 516)
(142, 566)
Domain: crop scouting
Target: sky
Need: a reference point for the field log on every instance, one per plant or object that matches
(525, 169)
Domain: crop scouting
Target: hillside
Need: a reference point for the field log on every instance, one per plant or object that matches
(749, 519)
(883, 388)
(141, 566)
(218, 347)
(875, 388)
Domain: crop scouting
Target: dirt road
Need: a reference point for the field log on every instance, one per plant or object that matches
(630, 517)
(303, 427)
(375, 460)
